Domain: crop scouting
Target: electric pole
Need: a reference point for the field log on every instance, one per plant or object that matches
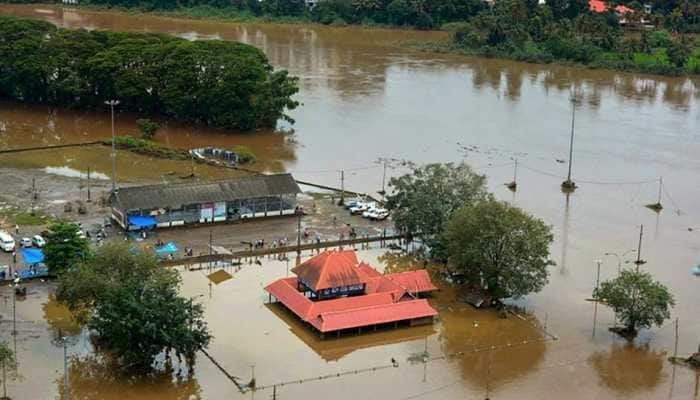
(639, 262)
(88, 184)
(342, 188)
(568, 184)
(112, 104)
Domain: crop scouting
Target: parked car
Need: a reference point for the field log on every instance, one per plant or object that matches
(361, 207)
(7, 242)
(378, 214)
(38, 241)
(350, 203)
(368, 212)
(81, 234)
(26, 242)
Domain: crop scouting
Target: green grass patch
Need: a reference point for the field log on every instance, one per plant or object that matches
(146, 147)
(15, 216)
(245, 155)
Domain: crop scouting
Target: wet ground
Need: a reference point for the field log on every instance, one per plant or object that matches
(365, 98)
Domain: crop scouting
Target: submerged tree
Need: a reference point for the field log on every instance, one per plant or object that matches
(8, 365)
(500, 248)
(64, 247)
(133, 306)
(423, 201)
(147, 127)
(638, 300)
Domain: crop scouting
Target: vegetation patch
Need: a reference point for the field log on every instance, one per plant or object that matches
(211, 82)
(146, 147)
(245, 155)
(15, 216)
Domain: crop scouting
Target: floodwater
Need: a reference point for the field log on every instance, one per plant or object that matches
(365, 97)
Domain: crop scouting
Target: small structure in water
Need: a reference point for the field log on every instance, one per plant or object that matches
(332, 292)
(216, 156)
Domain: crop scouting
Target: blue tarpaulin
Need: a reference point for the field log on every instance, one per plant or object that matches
(168, 248)
(141, 222)
(32, 256)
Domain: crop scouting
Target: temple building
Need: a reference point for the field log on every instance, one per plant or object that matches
(333, 292)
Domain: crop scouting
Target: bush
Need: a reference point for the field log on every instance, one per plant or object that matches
(245, 155)
(147, 127)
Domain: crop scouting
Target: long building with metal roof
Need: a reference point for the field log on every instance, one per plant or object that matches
(165, 205)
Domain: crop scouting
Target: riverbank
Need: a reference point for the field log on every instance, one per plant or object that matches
(449, 47)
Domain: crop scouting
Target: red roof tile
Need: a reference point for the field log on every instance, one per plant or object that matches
(413, 281)
(373, 315)
(330, 269)
(600, 6)
(285, 290)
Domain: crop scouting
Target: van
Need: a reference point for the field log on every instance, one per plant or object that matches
(7, 243)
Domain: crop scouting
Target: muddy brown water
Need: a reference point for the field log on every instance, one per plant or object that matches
(366, 97)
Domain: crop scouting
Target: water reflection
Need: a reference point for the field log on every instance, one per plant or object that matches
(60, 319)
(628, 369)
(333, 349)
(94, 377)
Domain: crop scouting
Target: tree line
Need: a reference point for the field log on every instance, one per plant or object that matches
(217, 83)
(527, 31)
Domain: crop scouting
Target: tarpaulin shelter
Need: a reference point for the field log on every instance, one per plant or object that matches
(168, 248)
(32, 256)
(142, 222)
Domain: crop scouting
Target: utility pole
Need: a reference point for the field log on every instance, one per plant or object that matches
(88, 184)
(639, 262)
(299, 213)
(112, 104)
(210, 247)
(66, 393)
(675, 346)
(383, 192)
(597, 278)
(568, 184)
(342, 188)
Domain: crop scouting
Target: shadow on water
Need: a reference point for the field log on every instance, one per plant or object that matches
(60, 319)
(334, 349)
(95, 377)
(628, 369)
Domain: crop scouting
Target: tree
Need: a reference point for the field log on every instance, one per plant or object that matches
(64, 247)
(132, 305)
(423, 201)
(147, 127)
(8, 365)
(500, 248)
(637, 299)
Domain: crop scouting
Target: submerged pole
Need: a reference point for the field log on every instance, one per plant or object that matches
(639, 260)
(568, 184)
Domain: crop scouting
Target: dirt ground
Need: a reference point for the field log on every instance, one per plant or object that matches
(323, 217)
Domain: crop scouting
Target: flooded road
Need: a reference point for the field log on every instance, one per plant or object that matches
(364, 97)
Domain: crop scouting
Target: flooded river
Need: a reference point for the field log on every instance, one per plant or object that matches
(365, 97)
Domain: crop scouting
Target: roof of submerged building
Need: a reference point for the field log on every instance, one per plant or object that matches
(178, 195)
(387, 298)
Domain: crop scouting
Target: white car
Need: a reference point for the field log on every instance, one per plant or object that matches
(81, 234)
(7, 242)
(38, 241)
(350, 203)
(26, 242)
(370, 211)
(360, 208)
(378, 214)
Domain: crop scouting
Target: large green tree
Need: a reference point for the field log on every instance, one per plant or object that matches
(132, 305)
(64, 247)
(638, 300)
(500, 249)
(423, 201)
(213, 82)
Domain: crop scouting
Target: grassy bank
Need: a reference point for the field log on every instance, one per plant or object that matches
(612, 63)
(15, 216)
(153, 149)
